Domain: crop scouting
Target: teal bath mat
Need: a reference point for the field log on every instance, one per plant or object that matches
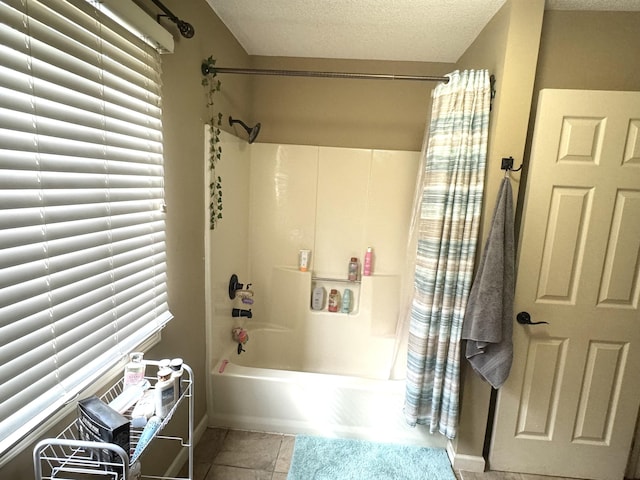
(318, 458)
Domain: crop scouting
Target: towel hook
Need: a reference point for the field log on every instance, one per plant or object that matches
(507, 165)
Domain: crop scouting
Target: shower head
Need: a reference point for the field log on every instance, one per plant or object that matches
(252, 131)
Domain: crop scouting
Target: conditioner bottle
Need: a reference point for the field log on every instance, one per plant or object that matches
(367, 268)
(346, 301)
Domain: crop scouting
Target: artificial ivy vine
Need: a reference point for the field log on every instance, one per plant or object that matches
(212, 84)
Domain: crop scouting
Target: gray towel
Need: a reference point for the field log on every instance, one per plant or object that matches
(488, 320)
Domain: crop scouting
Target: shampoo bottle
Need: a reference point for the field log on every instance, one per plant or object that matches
(176, 367)
(334, 300)
(367, 268)
(346, 301)
(317, 298)
(165, 392)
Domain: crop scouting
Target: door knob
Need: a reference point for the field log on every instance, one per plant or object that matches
(524, 318)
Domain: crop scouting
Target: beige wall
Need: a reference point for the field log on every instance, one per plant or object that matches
(508, 47)
(586, 50)
(379, 114)
(184, 114)
(590, 50)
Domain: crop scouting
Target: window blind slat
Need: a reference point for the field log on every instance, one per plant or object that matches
(82, 243)
(30, 394)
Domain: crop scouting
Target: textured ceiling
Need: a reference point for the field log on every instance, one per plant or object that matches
(405, 30)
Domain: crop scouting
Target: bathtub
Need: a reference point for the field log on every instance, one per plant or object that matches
(277, 385)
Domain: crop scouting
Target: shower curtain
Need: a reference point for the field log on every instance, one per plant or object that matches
(446, 221)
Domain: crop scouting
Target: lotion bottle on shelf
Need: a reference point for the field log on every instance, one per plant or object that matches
(165, 392)
(367, 267)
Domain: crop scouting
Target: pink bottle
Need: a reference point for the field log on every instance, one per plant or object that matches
(367, 266)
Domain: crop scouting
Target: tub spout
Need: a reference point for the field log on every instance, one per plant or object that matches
(238, 312)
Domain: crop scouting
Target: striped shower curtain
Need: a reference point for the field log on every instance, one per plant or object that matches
(447, 230)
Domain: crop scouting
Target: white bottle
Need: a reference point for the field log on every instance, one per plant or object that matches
(144, 409)
(176, 366)
(317, 298)
(165, 392)
(134, 370)
(304, 259)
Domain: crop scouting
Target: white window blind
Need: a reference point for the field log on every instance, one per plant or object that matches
(82, 243)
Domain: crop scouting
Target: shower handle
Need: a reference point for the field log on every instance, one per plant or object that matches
(238, 312)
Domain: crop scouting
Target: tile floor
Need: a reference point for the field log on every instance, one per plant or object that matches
(224, 454)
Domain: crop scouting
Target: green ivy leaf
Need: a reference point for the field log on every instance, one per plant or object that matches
(215, 149)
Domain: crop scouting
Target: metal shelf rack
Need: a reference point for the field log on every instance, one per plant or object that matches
(66, 457)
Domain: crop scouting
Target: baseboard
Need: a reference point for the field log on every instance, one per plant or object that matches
(183, 456)
(468, 463)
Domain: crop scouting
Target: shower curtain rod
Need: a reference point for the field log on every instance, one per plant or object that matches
(207, 69)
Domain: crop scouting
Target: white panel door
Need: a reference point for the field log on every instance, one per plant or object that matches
(570, 405)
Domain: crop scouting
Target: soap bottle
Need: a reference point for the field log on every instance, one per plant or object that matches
(353, 269)
(367, 268)
(165, 392)
(334, 300)
(317, 298)
(346, 301)
(134, 370)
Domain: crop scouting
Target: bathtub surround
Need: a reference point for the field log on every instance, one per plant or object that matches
(449, 219)
(334, 458)
(323, 374)
(307, 370)
(282, 199)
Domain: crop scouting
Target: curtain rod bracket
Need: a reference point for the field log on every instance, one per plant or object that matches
(185, 28)
(204, 68)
